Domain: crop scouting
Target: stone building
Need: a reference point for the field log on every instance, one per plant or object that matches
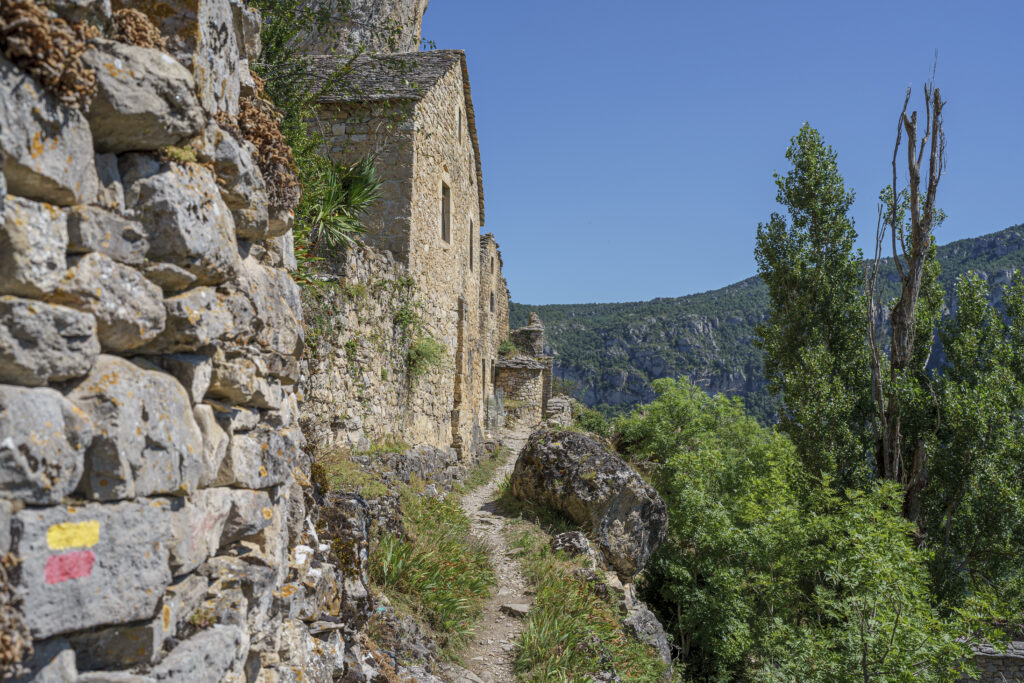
(524, 378)
(413, 113)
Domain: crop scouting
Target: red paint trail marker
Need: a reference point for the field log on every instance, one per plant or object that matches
(68, 566)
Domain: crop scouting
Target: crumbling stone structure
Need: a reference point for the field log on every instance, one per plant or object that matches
(413, 113)
(154, 492)
(373, 26)
(524, 378)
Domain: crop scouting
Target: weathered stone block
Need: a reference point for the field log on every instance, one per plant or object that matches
(90, 565)
(144, 98)
(215, 443)
(234, 418)
(203, 658)
(260, 458)
(52, 662)
(168, 277)
(187, 222)
(129, 309)
(196, 318)
(111, 190)
(6, 513)
(247, 29)
(242, 381)
(202, 36)
(147, 441)
(42, 343)
(47, 146)
(43, 438)
(193, 370)
(95, 12)
(33, 243)
(241, 182)
(278, 299)
(91, 228)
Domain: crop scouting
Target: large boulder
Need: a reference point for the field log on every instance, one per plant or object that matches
(577, 475)
(144, 98)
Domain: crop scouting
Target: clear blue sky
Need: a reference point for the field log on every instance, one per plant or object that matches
(628, 147)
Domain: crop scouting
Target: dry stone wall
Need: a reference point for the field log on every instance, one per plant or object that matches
(156, 511)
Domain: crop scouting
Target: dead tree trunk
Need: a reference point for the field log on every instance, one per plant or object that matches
(911, 240)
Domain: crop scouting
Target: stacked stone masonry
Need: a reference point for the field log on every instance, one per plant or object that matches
(153, 481)
(413, 114)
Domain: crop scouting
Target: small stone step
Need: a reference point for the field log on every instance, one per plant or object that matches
(516, 609)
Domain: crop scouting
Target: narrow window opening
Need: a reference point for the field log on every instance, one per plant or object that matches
(446, 213)
(492, 302)
(483, 362)
(492, 264)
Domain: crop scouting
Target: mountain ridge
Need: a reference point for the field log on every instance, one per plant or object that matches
(613, 351)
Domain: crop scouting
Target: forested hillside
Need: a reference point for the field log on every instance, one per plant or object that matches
(612, 352)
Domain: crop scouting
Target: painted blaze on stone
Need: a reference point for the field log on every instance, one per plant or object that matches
(91, 565)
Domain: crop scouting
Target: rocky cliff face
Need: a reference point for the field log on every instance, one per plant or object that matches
(375, 26)
(612, 352)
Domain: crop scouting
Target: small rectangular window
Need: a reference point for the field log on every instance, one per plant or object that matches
(483, 362)
(492, 264)
(492, 302)
(446, 213)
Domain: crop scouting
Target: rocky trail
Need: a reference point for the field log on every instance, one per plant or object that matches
(491, 653)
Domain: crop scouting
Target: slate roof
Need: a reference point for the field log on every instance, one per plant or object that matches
(402, 76)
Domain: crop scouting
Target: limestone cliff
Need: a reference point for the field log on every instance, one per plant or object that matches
(375, 26)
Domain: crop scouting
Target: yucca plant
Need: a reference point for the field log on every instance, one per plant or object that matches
(343, 194)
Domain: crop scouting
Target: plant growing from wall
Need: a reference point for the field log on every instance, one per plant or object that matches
(425, 353)
(336, 200)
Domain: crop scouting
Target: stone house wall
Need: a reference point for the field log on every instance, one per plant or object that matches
(493, 324)
(153, 482)
(356, 387)
(444, 153)
(521, 380)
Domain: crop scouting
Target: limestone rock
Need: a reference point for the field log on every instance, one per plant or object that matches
(111, 191)
(91, 228)
(6, 510)
(215, 443)
(193, 370)
(575, 474)
(573, 543)
(168, 277)
(52, 662)
(43, 438)
(129, 309)
(197, 523)
(141, 642)
(345, 524)
(278, 299)
(147, 441)
(187, 222)
(516, 609)
(242, 380)
(203, 658)
(95, 12)
(42, 343)
(199, 317)
(144, 98)
(241, 182)
(260, 458)
(201, 34)
(33, 242)
(90, 565)
(247, 29)
(642, 623)
(47, 147)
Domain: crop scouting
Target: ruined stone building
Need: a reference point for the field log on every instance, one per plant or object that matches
(413, 114)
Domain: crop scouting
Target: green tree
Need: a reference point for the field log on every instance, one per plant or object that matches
(813, 340)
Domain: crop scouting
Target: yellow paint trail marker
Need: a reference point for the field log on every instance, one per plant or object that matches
(73, 535)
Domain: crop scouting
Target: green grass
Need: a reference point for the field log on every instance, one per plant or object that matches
(571, 632)
(486, 467)
(340, 473)
(439, 572)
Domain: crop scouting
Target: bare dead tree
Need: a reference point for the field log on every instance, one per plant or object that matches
(910, 247)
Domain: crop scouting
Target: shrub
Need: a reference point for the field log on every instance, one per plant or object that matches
(424, 354)
(589, 420)
(338, 197)
(508, 348)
